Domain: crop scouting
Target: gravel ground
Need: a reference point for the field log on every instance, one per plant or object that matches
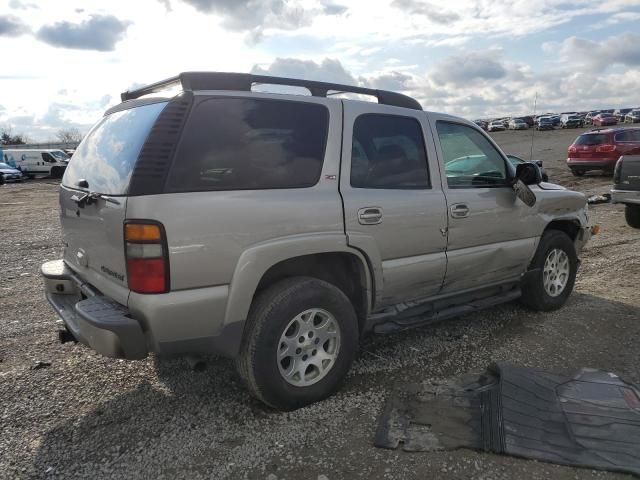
(76, 414)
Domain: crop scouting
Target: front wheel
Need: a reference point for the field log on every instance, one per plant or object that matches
(301, 337)
(632, 215)
(552, 273)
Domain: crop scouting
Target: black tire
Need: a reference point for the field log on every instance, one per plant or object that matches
(1, 179)
(268, 317)
(534, 294)
(56, 172)
(632, 215)
(578, 172)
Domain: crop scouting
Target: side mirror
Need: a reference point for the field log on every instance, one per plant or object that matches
(528, 173)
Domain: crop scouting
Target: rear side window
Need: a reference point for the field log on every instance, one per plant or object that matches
(107, 155)
(591, 139)
(251, 144)
(628, 136)
(388, 152)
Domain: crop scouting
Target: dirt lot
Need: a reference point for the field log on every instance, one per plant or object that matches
(87, 416)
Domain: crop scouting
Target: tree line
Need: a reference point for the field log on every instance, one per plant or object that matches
(64, 135)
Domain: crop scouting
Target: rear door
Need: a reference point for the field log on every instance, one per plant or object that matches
(103, 163)
(393, 201)
(491, 237)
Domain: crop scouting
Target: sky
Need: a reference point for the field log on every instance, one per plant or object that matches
(65, 62)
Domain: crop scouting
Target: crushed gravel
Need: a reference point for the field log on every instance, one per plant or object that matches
(66, 412)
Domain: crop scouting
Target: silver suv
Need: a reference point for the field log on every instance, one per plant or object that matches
(279, 229)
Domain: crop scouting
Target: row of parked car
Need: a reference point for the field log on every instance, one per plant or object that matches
(17, 165)
(549, 121)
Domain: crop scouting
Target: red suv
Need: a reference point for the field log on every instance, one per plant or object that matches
(600, 149)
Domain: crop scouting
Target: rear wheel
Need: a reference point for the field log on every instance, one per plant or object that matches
(302, 335)
(632, 215)
(56, 172)
(578, 172)
(552, 273)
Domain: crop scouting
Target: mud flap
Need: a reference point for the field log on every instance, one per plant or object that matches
(590, 419)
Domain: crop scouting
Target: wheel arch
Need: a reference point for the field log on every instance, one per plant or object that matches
(326, 257)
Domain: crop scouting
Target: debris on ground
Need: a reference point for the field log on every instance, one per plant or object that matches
(40, 364)
(590, 419)
(595, 199)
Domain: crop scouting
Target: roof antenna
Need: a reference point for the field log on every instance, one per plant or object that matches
(533, 131)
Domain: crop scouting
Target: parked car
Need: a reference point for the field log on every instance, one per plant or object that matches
(601, 149)
(544, 123)
(626, 187)
(515, 161)
(9, 174)
(632, 117)
(605, 120)
(517, 124)
(528, 119)
(570, 121)
(279, 229)
(496, 126)
(588, 118)
(621, 113)
(555, 119)
(33, 162)
(481, 123)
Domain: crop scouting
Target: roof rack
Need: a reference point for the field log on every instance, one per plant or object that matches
(244, 82)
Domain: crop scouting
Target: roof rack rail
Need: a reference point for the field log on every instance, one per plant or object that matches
(244, 82)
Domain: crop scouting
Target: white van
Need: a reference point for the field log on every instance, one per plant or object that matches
(32, 162)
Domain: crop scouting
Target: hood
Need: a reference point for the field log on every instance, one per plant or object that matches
(10, 171)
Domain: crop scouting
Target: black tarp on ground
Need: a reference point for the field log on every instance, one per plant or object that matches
(591, 419)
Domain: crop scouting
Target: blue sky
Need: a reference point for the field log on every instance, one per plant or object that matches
(473, 58)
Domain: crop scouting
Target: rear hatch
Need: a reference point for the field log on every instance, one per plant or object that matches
(591, 146)
(92, 225)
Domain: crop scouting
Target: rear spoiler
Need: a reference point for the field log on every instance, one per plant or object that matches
(244, 82)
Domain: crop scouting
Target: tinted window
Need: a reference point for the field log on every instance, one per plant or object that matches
(250, 144)
(388, 152)
(47, 157)
(628, 136)
(591, 139)
(470, 160)
(108, 153)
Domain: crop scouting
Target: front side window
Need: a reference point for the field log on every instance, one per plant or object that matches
(470, 160)
(251, 144)
(48, 158)
(388, 152)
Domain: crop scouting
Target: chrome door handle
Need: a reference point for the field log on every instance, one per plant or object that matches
(459, 210)
(370, 215)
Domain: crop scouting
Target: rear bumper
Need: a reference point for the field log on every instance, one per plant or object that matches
(94, 320)
(625, 196)
(179, 322)
(592, 162)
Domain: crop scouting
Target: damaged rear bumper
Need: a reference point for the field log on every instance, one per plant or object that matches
(93, 319)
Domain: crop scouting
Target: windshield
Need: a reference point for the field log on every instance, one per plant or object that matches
(59, 154)
(107, 155)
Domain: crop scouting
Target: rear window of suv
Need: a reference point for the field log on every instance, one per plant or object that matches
(592, 139)
(250, 144)
(107, 155)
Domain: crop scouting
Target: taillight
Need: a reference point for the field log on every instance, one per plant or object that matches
(573, 149)
(145, 246)
(605, 148)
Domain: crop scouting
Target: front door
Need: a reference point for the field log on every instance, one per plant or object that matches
(393, 201)
(491, 235)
